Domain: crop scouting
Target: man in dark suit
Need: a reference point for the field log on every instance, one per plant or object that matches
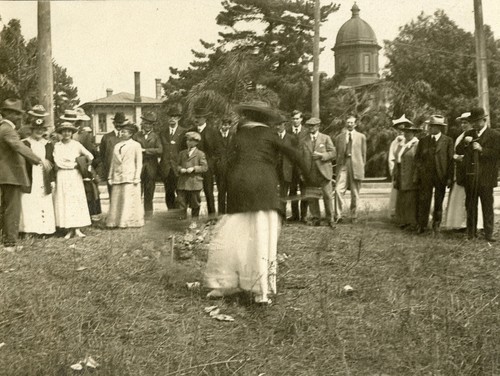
(172, 141)
(13, 176)
(108, 142)
(285, 166)
(481, 149)
(151, 151)
(434, 160)
(206, 145)
(298, 134)
(221, 151)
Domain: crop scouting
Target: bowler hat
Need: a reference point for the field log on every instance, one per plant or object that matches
(81, 115)
(38, 111)
(201, 112)
(437, 120)
(195, 136)
(150, 117)
(398, 123)
(119, 118)
(12, 104)
(174, 111)
(66, 125)
(313, 121)
(129, 126)
(477, 113)
(258, 107)
(69, 115)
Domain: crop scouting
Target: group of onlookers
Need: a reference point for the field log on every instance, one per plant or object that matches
(427, 165)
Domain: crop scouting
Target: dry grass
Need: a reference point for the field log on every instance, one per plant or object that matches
(421, 306)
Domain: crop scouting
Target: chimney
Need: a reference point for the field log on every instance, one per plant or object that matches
(158, 88)
(109, 92)
(137, 76)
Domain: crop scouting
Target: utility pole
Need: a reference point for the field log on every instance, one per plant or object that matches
(315, 84)
(45, 72)
(482, 72)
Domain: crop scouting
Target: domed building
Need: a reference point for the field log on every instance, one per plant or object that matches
(356, 48)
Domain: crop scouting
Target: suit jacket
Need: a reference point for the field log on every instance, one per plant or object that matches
(171, 146)
(48, 176)
(358, 152)
(221, 153)
(13, 156)
(106, 148)
(152, 151)
(194, 180)
(488, 157)
(126, 165)
(324, 146)
(442, 158)
(285, 165)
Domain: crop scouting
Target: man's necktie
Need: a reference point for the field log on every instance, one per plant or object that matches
(348, 149)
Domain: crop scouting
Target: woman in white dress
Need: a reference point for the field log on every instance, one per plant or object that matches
(456, 213)
(71, 208)
(37, 209)
(126, 209)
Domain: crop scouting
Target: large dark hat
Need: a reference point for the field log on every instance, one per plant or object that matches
(477, 113)
(201, 112)
(259, 107)
(39, 122)
(13, 105)
(119, 118)
(174, 111)
(66, 125)
(437, 120)
(38, 111)
(150, 117)
(129, 126)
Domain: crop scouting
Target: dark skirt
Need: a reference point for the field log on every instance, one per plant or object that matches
(406, 207)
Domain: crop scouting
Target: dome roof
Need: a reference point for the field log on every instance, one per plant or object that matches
(355, 31)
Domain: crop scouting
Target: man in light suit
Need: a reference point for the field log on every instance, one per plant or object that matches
(434, 160)
(317, 153)
(13, 175)
(351, 160)
(151, 151)
(481, 149)
(172, 141)
(107, 146)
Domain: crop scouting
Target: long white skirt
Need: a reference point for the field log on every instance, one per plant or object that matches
(37, 208)
(242, 254)
(70, 201)
(456, 212)
(126, 208)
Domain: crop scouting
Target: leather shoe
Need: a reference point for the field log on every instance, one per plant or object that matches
(420, 230)
(292, 219)
(339, 220)
(490, 240)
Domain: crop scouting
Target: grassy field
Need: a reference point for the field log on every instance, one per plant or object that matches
(421, 305)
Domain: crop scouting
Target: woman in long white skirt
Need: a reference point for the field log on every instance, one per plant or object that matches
(71, 208)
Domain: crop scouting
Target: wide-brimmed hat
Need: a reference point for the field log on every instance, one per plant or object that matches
(38, 111)
(69, 115)
(258, 107)
(477, 113)
(201, 112)
(312, 122)
(409, 127)
(66, 125)
(81, 115)
(194, 136)
(39, 122)
(11, 104)
(464, 117)
(119, 118)
(398, 123)
(437, 120)
(129, 126)
(150, 117)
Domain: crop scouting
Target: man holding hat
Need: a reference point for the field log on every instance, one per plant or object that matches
(317, 153)
(172, 141)
(481, 149)
(151, 151)
(434, 160)
(13, 166)
(108, 142)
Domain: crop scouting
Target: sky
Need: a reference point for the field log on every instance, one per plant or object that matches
(102, 43)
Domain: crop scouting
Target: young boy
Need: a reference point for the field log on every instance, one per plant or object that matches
(191, 165)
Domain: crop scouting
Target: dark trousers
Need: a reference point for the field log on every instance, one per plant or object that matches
(295, 185)
(284, 189)
(208, 190)
(471, 199)
(170, 185)
(221, 181)
(425, 199)
(191, 199)
(10, 212)
(110, 188)
(148, 185)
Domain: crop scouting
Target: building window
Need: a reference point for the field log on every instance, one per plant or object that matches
(366, 63)
(102, 123)
(352, 64)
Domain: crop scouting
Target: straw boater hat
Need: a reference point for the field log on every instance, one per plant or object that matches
(81, 115)
(464, 117)
(12, 105)
(69, 115)
(129, 126)
(477, 113)
(437, 120)
(66, 125)
(259, 107)
(38, 111)
(194, 136)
